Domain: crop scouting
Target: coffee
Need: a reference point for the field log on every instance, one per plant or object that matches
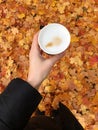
(55, 42)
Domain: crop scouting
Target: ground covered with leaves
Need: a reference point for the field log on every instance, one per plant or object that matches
(74, 79)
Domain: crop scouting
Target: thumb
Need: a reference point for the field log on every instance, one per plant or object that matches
(34, 47)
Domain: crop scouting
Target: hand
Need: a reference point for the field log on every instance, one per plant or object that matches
(39, 67)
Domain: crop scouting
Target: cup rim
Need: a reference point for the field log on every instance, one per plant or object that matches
(58, 51)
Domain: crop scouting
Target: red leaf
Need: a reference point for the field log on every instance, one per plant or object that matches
(93, 60)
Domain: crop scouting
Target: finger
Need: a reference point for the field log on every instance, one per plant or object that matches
(35, 41)
(54, 59)
(35, 47)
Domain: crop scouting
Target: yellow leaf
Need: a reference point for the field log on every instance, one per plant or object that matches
(49, 89)
(96, 28)
(41, 12)
(21, 16)
(95, 100)
(76, 60)
(93, 40)
(95, 127)
(74, 38)
(1, 1)
(53, 3)
(41, 107)
(28, 2)
(61, 8)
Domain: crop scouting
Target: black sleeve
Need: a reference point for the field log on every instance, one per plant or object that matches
(68, 120)
(17, 103)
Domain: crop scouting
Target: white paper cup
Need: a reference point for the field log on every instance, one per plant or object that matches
(54, 38)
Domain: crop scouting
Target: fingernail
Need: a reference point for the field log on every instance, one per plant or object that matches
(41, 26)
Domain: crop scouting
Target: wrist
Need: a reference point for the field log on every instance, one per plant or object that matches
(33, 83)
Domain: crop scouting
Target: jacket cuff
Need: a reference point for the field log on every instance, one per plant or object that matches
(17, 103)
